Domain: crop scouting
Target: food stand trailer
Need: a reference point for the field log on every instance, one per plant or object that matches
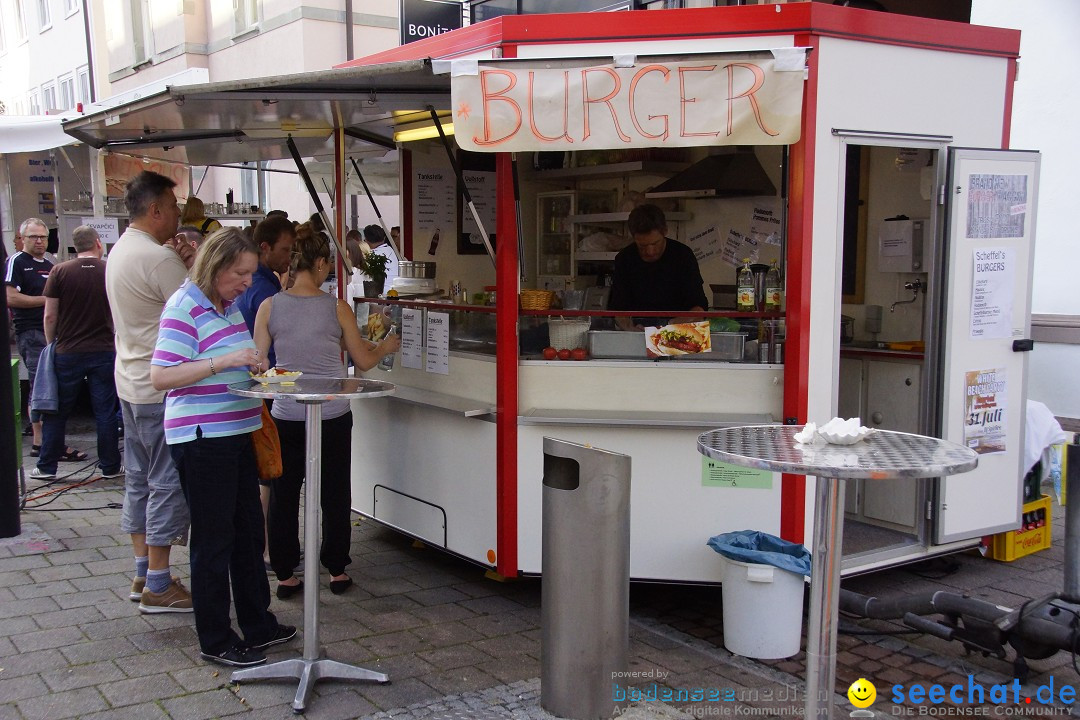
(856, 117)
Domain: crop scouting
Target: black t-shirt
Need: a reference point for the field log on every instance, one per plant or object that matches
(28, 276)
(671, 283)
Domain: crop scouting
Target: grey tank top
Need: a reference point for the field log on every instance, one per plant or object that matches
(307, 337)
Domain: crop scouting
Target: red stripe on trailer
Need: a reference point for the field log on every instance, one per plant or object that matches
(799, 282)
(506, 371)
(406, 207)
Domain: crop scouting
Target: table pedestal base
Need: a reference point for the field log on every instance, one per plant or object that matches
(308, 672)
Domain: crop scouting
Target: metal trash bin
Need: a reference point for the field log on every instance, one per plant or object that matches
(585, 593)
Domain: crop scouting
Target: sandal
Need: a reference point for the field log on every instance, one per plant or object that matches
(70, 455)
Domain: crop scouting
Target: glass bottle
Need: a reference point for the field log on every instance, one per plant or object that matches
(744, 288)
(772, 289)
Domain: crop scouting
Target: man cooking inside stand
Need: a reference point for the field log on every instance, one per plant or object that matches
(655, 272)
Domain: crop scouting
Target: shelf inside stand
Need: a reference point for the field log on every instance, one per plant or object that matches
(613, 170)
(613, 217)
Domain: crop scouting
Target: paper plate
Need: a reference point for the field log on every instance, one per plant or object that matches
(845, 438)
(276, 379)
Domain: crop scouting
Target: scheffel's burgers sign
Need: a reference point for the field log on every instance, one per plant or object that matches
(728, 99)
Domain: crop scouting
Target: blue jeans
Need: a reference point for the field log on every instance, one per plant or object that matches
(31, 343)
(71, 369)
(221, 485)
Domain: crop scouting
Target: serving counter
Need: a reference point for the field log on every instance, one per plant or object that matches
(430, 460)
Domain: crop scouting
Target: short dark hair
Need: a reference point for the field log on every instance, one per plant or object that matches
(277, 213)
(84, 238)
(192, 233)
(270, 230)
(646, 218)
(374, 235)
(142, 190)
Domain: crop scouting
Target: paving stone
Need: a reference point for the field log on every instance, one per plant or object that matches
(85, 652)
(139, 690)
(451, 633)
(77, 676)
(495, 625)
(100, 582)
(21, 562)
(204, 705)
(511, 668)
(893, 676)
(438, 596)
(392, 644)
(81, 543)
(45, 639)
(92, 597)
(201, 676)
(146, 711)
(462, 679)
(874, 652)
(63, 618)
(123, 627)
(73, 703)
(398, 693)
(21, 688)
(29, 590)
(456, 656)
(491, 605)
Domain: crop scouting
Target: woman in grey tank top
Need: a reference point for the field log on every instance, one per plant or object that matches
(308, 329)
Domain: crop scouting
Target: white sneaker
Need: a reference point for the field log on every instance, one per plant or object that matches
(114, 474)
(39, 475)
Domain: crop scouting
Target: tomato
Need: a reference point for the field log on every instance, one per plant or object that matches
(579, 354)
(550, 353)
(564, 354)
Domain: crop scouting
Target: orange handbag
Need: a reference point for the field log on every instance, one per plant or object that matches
(267, 447)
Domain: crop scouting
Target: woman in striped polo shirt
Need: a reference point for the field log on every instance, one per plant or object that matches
(203, 345)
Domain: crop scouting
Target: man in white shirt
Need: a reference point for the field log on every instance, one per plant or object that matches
(375, 237)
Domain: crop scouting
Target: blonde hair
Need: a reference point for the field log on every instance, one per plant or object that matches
(193, 210)
(308, 248)
(220, 251)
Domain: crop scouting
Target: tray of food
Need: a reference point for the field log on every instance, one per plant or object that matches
(277, 375)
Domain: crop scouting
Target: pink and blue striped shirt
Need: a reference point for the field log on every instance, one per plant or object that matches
(191, 329)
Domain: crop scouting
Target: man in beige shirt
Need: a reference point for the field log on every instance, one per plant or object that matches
(144, 269)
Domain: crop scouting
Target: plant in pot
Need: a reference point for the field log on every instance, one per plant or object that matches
(374, 266)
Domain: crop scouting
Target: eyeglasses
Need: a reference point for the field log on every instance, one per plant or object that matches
(36, 237)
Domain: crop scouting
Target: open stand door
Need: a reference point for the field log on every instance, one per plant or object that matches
(990, 200)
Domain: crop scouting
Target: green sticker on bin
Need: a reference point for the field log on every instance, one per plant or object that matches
(719, 474)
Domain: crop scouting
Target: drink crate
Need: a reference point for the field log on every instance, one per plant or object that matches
(1033, 535)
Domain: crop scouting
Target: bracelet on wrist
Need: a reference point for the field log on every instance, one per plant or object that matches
(212, 370)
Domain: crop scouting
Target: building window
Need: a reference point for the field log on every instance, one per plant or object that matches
(3, 33)
(20, 21)
(44, 15)
(71, 6)
(48, 98)
(84, 85)
(35, 104)
(67, 93)
(245, 15)
(142, 31)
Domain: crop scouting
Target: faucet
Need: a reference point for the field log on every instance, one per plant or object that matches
(915, 286)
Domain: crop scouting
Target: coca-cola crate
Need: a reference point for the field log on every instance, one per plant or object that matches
(1033, 535)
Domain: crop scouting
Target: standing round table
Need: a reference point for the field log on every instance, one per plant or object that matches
(883, 455)
(312, 392)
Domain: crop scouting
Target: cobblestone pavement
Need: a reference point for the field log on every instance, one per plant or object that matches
(455, 644)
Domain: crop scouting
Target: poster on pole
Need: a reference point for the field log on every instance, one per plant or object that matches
(985, 420)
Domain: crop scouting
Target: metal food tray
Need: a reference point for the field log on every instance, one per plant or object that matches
(616, 344)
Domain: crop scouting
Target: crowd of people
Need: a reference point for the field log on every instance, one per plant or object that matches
(157, 333)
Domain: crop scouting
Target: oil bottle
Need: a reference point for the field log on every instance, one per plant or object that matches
(744, 289)
(772, 289)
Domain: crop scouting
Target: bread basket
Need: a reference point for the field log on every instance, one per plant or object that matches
(536, 299)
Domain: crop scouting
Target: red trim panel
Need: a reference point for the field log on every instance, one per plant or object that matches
(799, 280)
(406, 206)
(804, 18)
(506, 370)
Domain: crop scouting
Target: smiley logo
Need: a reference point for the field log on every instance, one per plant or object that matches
(862, 693)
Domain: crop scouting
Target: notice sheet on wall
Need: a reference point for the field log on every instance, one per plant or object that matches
(706, 243)
(438, 343)
(412, 338)
(738, 247)
(481, 186)
(434, 202)
(992, 292)
(984, 410)
(765, 223)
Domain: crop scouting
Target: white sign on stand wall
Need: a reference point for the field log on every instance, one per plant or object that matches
(108, 228)
(992, 293)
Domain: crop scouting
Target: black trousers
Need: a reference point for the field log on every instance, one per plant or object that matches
(283, 526)
(221, 485)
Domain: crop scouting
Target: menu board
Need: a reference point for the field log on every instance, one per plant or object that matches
(434, 201)
(482, 190)
(412, 338)
(438, 343)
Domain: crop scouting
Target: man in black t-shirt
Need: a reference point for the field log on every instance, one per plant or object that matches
(25, 275)
(655, 272)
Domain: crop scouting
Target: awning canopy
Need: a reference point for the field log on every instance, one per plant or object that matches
(32, 133)
(249, 120)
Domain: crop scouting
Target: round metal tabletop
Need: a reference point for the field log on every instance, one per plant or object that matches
(884, 455)
(314, 389)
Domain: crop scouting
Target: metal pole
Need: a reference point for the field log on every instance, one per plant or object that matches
(375, 207)
(312, 495)
(824, 597)
(1072, 520)
(9, 459)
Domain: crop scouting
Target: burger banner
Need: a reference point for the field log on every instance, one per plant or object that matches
(678, 339)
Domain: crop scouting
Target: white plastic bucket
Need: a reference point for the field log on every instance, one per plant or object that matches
(762, 610)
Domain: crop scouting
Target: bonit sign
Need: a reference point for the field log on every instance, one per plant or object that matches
(426, 18)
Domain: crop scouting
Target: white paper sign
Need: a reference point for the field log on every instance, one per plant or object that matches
(481, 186)
(434, 200)
(706, 243)
(438, 343)
(992, 293)
(737, 247)
(894, 238)
(108, 228)
(765, 223)
(412, 338)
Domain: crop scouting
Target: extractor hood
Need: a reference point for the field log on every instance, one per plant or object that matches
(730, 174)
